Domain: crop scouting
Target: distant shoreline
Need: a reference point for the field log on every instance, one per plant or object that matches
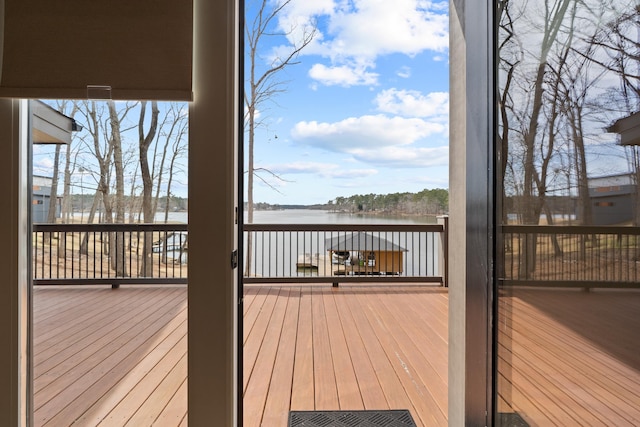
(327, 209)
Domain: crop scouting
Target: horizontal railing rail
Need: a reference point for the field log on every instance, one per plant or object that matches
(570, 256)
(114, 254)
(343, 253)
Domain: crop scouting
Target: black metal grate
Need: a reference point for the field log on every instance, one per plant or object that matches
(389, 418)
(510, 419)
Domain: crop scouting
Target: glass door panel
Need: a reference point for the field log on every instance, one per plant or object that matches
(109, 263)
(568, 305)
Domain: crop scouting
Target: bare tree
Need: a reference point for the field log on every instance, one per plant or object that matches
(537, 100)
(102, 151)
(117, 240)
(554, 15)
(145, 139)
(619, 40)
(107, 155)
(53, 196)
(172, 131)
(178, 149)
(263, 84)
(105, 132)
(510, 56)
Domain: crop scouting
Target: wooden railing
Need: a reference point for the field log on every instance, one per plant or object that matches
(115, 254)
(340, 253)
(570, 256)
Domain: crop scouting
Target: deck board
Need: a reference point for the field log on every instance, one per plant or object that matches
(349, 395)
(419, 366)
(83, 338)
(255, 335)
(390, 384)
(118, 357)
(261, 374)
(302, 389)
(175, 413)
(326, 389)
(279, 394)
(105, 406)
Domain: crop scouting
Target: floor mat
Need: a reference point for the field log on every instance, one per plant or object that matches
(389, 418)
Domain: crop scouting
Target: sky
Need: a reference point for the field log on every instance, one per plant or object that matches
(365, 107)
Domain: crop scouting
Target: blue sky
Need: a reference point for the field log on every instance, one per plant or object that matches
(365, 108)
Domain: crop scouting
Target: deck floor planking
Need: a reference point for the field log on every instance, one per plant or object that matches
(118, 357)
(566, 356)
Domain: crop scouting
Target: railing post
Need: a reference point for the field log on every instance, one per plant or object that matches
(443, 255)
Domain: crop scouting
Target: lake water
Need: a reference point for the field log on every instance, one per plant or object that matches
(307, 216)
(275, 254)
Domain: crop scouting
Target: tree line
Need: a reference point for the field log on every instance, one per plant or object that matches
(425, 202)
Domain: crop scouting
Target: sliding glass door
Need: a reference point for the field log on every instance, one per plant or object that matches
(568, 294)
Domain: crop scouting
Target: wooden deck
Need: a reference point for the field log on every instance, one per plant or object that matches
(105, 357)
(118, 357)
(349, 348)
(570, 357)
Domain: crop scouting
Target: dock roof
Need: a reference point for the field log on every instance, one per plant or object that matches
(361, 242)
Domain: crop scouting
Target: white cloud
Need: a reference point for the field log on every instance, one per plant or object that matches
(324, 170)
(378, 140)
(414, 104)
(300, 167)
(342, 75)
(365, 133)
(404, 72)
(370, 28)
(405, 157)
(256, 114)
(349, 173)
(353, 34)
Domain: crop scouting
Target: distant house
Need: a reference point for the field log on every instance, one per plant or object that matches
(48, 127)
(612, 198)
(628, 128)
(41, 199)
